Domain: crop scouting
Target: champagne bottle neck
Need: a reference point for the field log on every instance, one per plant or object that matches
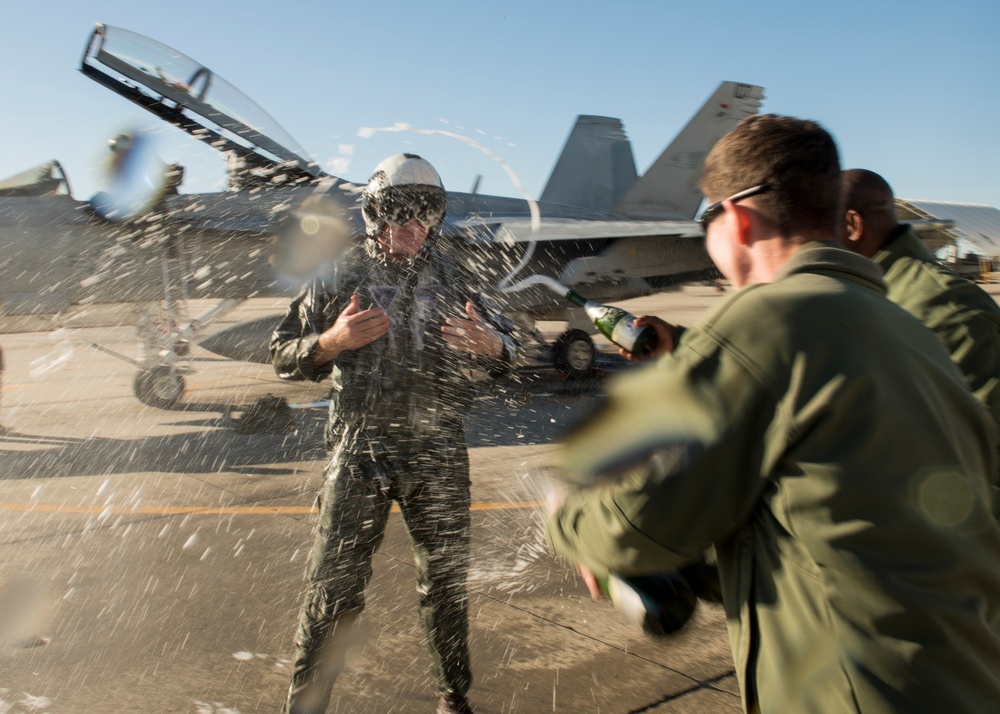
(589, 305)
(575, 297)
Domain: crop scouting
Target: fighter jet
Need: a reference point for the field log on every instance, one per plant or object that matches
(598, 226)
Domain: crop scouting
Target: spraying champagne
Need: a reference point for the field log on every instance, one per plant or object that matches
(614, 323)
(617, 325)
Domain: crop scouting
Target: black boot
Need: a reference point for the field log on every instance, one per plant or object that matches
(453, 703)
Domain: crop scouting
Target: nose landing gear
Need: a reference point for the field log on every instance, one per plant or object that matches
(160, 386)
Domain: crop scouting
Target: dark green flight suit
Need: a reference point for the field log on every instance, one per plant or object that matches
(823, 441)
(963, 315)
(394, 433)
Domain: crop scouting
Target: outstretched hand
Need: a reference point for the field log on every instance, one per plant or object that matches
(665, 336)
(473, 335)
(353, 329)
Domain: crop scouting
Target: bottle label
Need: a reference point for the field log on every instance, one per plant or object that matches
(625, 334)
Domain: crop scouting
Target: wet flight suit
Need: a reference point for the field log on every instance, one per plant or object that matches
(840, 466)
(394, 433)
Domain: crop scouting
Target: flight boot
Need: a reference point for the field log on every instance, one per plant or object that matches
(453, 703)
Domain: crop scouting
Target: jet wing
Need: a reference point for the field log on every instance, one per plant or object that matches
(263, 213)
(610, 252)
(523, 231)
(230, 212)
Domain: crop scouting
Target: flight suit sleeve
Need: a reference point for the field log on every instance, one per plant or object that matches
(294, 340)
(677, 455)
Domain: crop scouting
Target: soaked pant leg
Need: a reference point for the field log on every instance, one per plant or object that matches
(439, 522)
(351, 524)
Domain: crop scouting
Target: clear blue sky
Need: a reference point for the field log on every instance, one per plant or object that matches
(909, 89)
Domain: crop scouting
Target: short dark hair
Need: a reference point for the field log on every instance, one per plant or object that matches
(865, 190)
(797, 158)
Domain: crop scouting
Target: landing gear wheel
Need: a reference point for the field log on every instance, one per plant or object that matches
(574, 354)
(159, 387)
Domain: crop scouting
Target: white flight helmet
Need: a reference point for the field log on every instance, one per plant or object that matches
(402, 188)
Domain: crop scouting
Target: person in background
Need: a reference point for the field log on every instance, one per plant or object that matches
(964, 316)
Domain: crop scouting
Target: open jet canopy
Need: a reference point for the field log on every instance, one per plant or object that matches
(192, 97)
(46, 179)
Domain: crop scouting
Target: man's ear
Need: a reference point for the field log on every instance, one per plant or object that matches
(744, 223)
(854, 226)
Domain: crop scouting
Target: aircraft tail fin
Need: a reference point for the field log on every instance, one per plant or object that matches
(669, 189)
(596, 166)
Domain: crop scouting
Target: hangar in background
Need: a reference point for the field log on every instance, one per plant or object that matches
(970, 245)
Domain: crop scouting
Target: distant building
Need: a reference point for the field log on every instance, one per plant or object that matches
(970, 245)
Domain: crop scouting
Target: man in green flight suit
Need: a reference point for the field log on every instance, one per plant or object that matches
(963, 315)
(397, 327)
(822, 440)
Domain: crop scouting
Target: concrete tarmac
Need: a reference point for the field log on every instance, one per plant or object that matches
(152, 560)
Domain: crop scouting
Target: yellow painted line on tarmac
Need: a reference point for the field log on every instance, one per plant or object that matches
(221, 510)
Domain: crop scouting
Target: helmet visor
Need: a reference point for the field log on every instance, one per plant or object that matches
(399, 205)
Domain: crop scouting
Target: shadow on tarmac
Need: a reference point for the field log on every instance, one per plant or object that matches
(501, 417)
(208, 451)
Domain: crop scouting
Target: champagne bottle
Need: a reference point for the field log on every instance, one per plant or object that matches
(659, 604)
(617, 325)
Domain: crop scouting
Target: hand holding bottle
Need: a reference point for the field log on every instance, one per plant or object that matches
(664, 342)
(658, 604)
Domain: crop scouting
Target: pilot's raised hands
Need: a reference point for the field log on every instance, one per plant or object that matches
(473, 335)
(353, 329)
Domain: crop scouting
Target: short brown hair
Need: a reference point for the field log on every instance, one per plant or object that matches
(796, 157)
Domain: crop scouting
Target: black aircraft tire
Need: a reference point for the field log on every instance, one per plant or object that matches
(159, 387)
(574, 353)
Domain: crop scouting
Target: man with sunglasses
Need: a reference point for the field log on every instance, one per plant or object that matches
(398, 327)
(820, 438)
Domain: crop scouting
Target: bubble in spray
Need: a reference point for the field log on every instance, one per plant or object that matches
(135, 178)
(312, 238)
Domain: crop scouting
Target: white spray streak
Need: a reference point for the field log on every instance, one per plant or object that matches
(552, 284)
(504, 285)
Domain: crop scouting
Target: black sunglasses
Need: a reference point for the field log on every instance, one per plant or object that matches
(713, 211)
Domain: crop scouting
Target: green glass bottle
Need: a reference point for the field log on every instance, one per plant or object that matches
(659, 604)
(617, 325)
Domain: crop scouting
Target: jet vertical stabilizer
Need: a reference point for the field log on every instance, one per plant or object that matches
(595, 169)
(669, 189)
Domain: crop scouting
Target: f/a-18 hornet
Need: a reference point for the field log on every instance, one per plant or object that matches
(597, 227)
